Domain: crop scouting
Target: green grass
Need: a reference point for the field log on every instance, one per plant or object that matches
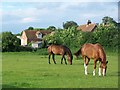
(30, 70)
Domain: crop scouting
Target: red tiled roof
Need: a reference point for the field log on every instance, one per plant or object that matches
(31, 34)
(87, 28)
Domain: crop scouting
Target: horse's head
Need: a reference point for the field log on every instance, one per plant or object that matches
(69, 55)
(77, 53)
(104, 67)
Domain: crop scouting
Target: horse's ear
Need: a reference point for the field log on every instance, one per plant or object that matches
(106, 62)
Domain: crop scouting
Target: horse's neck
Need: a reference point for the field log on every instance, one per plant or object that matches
(102, 54)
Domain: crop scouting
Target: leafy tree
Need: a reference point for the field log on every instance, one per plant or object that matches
(108, 20)
(0, 41)
(52, 28)
(9, 42)
(69, 24)
(30, 28)
(65, 37)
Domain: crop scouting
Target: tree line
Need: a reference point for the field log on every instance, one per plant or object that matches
(107, 35)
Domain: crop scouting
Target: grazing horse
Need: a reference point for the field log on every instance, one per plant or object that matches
(96, 52)
(60, 50)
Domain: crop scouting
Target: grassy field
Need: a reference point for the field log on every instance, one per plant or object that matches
(30, 70)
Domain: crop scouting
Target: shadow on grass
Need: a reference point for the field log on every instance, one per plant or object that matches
(15, 85)
(118, 73)
(8, 86)
(115, 74)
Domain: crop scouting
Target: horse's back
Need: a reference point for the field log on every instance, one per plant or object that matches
(88, 50)
(56, 49)
(92, 50)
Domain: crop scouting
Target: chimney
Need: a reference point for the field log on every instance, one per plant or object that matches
(88, 22)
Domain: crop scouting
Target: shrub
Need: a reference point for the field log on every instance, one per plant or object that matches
(25, 48)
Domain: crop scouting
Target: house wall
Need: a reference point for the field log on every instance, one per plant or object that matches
(37, 44)
(23, 39)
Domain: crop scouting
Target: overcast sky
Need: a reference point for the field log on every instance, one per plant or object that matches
(18, 16)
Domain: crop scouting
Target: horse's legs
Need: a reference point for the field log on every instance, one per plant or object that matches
(63, 57)
(99, 72)
(53, 57)
(87, 62)
(85, 65)
(49, 58)
(95, 62)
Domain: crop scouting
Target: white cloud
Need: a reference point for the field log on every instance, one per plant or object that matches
(28, 20)
(21, 12)
(45, 14)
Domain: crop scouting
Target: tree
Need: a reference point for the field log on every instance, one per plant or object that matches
(108, 20)
(9, 42)
(69, 24)
(30, 28)
(52, 28)
(0, 41)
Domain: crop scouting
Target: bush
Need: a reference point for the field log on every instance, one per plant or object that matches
(10, 42)
(42, 51)
(25, 48)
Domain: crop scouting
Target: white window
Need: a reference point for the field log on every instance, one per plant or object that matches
(39, 35)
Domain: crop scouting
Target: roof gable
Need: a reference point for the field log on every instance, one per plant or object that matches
(31, 34)
(87, 27)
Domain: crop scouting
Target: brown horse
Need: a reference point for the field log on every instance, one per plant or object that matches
(96, 52)
(60, 50)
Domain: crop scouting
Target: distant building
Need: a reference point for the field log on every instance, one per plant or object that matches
(34, 37)
(89, 27)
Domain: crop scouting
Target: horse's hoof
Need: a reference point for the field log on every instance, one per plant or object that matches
(93, 74)
(104, 75)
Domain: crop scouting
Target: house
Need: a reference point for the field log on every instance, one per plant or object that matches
(33, 37)
(89, 27)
